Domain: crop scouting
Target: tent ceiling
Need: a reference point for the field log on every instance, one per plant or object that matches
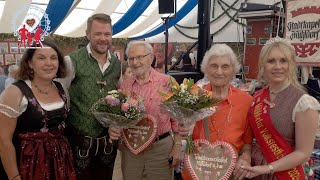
(68, 17)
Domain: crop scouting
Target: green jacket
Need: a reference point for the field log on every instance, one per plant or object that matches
(85, 91)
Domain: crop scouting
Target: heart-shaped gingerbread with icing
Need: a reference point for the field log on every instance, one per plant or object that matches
(139, 137)
(211, 161)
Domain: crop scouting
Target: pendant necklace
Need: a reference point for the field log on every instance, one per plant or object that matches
(218, 130)
(42, 91)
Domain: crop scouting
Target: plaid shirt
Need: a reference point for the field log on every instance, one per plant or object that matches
(149, 91)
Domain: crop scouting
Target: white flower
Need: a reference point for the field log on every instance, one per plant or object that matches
(183, 88)
(113, 92)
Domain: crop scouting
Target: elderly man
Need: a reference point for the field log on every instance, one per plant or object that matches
(151, 163)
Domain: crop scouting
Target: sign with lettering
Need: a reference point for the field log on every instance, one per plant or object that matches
(140, 136)
(302, 28)
(212, 161)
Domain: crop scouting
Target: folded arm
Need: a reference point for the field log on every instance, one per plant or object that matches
(306, 124)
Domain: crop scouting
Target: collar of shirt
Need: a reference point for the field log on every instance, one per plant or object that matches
(151, 77)
(106, 65)
(229, 98)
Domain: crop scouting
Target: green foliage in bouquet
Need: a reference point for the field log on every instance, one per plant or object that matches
(189, 95)
(119, 104)
(188, 103)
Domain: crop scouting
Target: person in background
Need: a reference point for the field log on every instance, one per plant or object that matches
(154, 62)
(175, 58)
(12, 75)
(187, 63)
(126, 73)
(153, 162)
(113, 51)
(33, 111)
(229, 123)
(3, 78)
(193, 60)
(283, 112)
(93, 72)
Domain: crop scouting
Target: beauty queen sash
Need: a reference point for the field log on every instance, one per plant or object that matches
(273, 145)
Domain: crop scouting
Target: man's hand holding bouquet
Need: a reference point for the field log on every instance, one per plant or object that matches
(118, 109)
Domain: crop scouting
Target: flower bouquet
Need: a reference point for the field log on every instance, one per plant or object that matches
(188, 103)
(118, 110)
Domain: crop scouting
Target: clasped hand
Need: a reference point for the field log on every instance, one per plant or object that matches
(184, 131)
(114, 133)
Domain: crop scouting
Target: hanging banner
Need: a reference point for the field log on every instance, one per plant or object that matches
(303, 29)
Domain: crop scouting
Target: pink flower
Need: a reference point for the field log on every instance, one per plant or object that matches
(132, 102)
(108, 99)
(125, 107)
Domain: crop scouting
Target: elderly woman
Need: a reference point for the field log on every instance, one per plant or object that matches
(32, 115)
(229, 123)
(285, 136)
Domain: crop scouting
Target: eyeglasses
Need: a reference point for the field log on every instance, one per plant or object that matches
(138, 58)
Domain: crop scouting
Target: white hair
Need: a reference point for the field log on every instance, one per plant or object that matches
(13, 68)
(135, 42)
(219, 50)
(1, 71)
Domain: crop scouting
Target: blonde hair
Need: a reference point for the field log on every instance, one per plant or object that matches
(289, 53)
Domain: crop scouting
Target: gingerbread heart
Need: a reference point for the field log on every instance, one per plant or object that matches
(140, 136)
(30, 22)
(211, 161)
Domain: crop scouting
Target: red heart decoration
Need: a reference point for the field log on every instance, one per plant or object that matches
(30, 22)
(212, 161)
(142, 135)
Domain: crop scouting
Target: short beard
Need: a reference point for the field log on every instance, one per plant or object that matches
(98, 51)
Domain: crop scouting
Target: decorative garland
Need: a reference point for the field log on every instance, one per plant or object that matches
(66, 41)
(6, 36)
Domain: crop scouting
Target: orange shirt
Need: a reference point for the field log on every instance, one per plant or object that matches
(230, 119)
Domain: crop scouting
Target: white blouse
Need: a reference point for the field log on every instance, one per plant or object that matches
(14, 107)
(307, 102)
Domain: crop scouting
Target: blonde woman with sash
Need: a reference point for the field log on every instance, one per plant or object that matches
(283, 117)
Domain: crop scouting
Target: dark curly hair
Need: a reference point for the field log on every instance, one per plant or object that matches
(26, 72)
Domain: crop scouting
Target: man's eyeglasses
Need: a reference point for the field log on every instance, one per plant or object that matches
(138, 58)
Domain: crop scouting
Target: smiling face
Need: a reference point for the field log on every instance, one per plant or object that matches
(100, 36)
(45, 64)
(276, 67)
(219, 70)
(140, 60)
